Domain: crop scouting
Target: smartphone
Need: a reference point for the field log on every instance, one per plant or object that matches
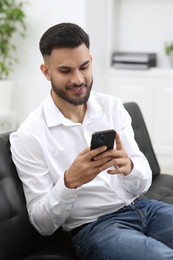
(101, 138)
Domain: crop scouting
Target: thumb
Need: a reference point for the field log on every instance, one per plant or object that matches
(119, 145)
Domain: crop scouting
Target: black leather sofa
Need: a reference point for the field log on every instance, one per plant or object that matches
(162, 185)
(19, 240)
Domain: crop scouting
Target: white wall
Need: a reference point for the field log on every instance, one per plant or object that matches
(132, 25)
(144, 26)
(97, 24)
(30, 86)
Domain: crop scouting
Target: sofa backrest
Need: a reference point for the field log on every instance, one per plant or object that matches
(17, 235)
(142, 136)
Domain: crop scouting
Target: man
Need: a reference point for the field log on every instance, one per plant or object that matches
(95, 195)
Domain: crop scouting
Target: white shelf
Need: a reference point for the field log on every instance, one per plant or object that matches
(141, 26)
(159, 72)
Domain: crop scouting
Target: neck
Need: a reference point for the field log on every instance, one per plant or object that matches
(74, 113)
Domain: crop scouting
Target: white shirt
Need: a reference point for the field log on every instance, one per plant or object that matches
(47, 143)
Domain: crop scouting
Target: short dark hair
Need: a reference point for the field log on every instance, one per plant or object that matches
(63, 35)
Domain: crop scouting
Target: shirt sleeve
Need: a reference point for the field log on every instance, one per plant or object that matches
(139, 180)
(49, 204)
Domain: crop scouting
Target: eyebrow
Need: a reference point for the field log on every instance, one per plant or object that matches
(67, 67)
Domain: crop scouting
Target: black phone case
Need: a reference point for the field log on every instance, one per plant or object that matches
(101, 138)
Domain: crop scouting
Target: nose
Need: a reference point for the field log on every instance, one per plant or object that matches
(77, 77)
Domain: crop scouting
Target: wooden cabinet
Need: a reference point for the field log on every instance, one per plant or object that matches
(129, 87)
(153, 91)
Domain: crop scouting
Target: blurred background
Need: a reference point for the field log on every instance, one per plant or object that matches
(130, 26)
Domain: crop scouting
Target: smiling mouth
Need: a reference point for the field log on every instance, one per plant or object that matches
(77, 87)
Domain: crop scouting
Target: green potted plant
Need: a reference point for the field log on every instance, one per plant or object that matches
(169, 52)
(12, 22)
(168, 48)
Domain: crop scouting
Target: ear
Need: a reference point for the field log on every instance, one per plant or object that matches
(45, 69)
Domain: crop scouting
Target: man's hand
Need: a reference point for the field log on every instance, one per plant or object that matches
(118, 158)
(84, 169)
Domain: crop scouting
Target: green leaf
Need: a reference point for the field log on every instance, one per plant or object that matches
(12, 21)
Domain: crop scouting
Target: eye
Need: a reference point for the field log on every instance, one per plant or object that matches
(64, 70)
(84, 67)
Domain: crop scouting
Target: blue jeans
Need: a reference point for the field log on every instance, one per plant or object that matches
(140, 231)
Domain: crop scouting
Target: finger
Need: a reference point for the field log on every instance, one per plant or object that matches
(85, 151)
(117, 170)
(97, 151)
(120, 171)
(114, 171)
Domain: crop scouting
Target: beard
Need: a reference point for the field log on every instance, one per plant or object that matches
(77, 100)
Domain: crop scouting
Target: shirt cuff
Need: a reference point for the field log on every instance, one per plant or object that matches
(60, 190)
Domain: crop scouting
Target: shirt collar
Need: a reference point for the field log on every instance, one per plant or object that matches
(54, 116)
(52, 113)
(93, 107)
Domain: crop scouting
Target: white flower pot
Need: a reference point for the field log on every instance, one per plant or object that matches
(6, 87)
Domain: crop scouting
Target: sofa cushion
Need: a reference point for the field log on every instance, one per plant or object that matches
(161, 188)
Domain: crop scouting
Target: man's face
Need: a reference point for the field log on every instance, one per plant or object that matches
(70, 73)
